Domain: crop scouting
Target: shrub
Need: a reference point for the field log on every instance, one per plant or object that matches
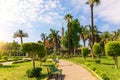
(34, 72)
(97, 61)
(97, 49)
(112, 48)
(85, 52)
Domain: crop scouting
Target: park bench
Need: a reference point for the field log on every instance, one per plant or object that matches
(52, 70)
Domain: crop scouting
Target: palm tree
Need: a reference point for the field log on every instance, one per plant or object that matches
(20, 34)
(92, 3)
(68, 17)
(55, 38)
(43, 37)
(84, 34)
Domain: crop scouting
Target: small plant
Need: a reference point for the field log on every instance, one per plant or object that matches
(34, 72)
(85, 52)
(97, 61)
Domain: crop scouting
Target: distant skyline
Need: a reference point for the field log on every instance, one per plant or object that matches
(38, 16)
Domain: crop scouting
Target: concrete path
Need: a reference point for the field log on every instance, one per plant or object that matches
(71, 71)
(7, 63)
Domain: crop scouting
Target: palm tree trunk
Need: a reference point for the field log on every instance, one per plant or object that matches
(92, 29)
(21, 40)
(69, 39)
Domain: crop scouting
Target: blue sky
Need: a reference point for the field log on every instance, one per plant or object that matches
(38, 16)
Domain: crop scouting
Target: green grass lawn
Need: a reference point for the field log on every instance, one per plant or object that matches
(18, 71)
(106, 67)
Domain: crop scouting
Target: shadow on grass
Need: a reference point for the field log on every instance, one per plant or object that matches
(108, 63)
(43, 76)
(8, 66)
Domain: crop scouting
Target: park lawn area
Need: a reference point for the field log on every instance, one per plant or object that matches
(18, 71)
(106, 67)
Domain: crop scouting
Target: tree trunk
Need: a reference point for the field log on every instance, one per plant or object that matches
(69, 39)
(116, 62)
(21, 40)
(33, 62)
(40, 61)
(84, 42)
(92, 28)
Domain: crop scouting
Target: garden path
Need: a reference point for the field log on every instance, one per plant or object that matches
(7, 63)
(71, 71)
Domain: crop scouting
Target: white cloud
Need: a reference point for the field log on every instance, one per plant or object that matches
(109, 11)
(27, 11)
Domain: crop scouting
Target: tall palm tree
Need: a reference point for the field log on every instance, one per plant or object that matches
(55, 38)
(20, 34)
(92, 3)
(68, 17)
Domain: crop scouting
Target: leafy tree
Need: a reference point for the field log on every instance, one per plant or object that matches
(75, 33)
(74, 36)
(85, 51)
(112, 48)
(20, 34)
(32, 49)
(92, 3)
(68, 17)
(97, 49)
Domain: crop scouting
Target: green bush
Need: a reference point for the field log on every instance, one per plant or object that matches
(34, 72)
(97, 49)
(97, 61)
(85, 52)
(112, 48)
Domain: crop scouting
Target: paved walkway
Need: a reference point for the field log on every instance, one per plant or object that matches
(71, 71)
(7, 63)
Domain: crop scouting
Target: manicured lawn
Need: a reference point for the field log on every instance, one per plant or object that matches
(105, 69)
(18, 71)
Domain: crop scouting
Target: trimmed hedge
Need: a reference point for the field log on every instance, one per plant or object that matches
(97, 49)
(85, 52)
(34, 72)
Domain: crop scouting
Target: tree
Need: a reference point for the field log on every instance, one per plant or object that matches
(55, 38)
(43, 37)
(68, 17)
(20, 34)
(32, 49)
(84, 34)
(74, 36)
(92, 3)
(112, 48)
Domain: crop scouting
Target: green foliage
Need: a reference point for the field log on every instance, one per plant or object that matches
(30, 47)
(97, 61)
(34, 72)
(85, 51)
(97, 49)
(112, 48)
(42, 51)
